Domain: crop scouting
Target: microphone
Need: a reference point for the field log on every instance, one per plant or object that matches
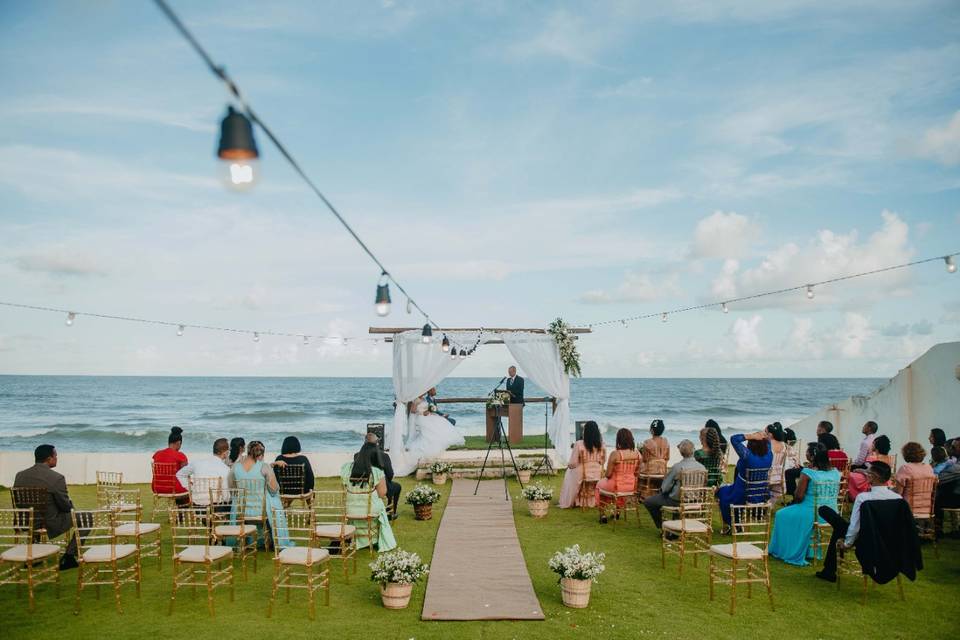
(501, 380)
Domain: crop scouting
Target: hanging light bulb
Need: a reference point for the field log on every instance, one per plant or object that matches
(256, 337)
(809, 292)
(382, 304)
(445, 345)
(725, 308)
(463, 354)
(409, 306)
(180, 330)
(663, 317)
(427, 334)
(344, 342)
(306, 341)
(623, 322)
(453, 353)
(951, 265)
(71, 316)
(237, 151)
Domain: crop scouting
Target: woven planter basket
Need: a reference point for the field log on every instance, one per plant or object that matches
(524, 475)
(395, 595)
(439, 478)
(576, 593)
(538, 508)
(423, 511)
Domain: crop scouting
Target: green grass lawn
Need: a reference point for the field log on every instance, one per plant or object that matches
(474, 443)
(634, 597)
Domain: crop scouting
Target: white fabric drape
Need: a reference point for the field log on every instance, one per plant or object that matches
(416, 368)
(537, 355)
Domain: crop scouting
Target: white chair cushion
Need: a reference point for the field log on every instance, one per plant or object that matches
(234, 529)
(18, 553)
(133, 528)
(124, 507)
(745, 551)
(101, 552)
(335, 530)
(302, 555)
(361, 516)
(617, 494)
(200, 553)
(691, 526)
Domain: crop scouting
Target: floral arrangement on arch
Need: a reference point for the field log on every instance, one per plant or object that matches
(422, 494)
(398, 566)
(569, 355)
(577, 565)
(440, 467)
(537, 492)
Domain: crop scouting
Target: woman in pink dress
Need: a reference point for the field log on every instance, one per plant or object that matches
(857, 481)
(621, 474)
(914, 470)
(655, 450)
(586, 463)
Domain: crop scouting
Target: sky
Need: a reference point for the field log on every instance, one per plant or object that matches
(510, 163)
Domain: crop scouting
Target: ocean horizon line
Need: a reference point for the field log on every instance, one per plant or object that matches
(255, 377)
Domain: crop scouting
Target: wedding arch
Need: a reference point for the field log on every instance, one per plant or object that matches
(418, 366)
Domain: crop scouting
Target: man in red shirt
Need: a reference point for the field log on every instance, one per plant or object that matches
(171, 454)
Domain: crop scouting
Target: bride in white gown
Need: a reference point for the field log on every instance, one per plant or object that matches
(433, 434)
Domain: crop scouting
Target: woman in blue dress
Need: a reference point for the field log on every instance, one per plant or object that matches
(792, 526)
(263, 491)
(756, 456)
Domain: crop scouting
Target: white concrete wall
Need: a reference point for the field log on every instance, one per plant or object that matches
(923, 395)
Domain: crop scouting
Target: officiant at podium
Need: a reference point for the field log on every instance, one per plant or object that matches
(514, 386)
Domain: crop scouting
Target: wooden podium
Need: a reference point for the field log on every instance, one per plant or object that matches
(513, 413)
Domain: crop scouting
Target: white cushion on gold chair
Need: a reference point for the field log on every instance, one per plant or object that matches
(745, 551)
(688, 524)
(617, 494)
(133, 528)
(200, 553)
(234, 529)
(360, 516)
(102, 552)
(335, 530)
(18, 553)
(302, 555)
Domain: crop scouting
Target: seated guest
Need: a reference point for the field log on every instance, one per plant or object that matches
(824, 426)
(776, 438)
(755, 456)
(948, 489)
(237, 445)
(857, 481)
(937, 437)
(869, 431)
(586, 461)
(913, 469)
(57, 516)
(712, 424)
(207, 467)
(793, 525)
(360, 477)
(710, 455)
(669, 494)
(386, 465)
(845, 533)
(790, 437)
(431, 398)
(290, 454)
(838, 458)
(621, 472)
(655, 450)
(171, 454)
(258, 478)
(939, 460)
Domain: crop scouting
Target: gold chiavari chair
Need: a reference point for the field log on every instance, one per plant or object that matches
(103, 561)
(290, 479)
(254, 510)
(228, 527)
(848, 565)
(166, 493)
(35, 499)
(201, 487)
(650, 479)
(618, 500)
(921, 495)
(127, 507)
(716, 469)
(302, 560)
(360, 513)
(692, 530)
(592, 471)
(747, 555)
(332, 529)
(843, 497)
(22, 560)
(776, 478)
(197, 562)
(823, 494)
(108, 482)
(952, 516)
(690, 478)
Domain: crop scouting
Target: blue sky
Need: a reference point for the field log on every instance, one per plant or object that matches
(510, 162)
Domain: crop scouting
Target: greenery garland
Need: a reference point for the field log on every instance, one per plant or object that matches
(560, 331)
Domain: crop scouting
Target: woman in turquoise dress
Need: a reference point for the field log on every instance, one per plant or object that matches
(793, 525)
(258, 478)
(358, 477)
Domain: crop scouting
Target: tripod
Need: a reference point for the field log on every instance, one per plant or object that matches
(500, 438)
(545, 461)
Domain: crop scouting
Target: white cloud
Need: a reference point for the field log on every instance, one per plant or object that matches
(633, 88)
(566, 36)
(942, 143)
(636, 287)
(724, 235)
(60, 261)
(745, 337)
(853, 335)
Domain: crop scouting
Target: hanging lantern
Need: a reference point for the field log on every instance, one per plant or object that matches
(382, 303)
(238, 151)
(427, 334)
(445, 345)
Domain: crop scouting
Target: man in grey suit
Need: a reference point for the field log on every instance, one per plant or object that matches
(669, 494)
(59, 506)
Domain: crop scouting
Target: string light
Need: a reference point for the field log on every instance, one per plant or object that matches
(951, 265)
(725, 308)
(256, 336)
(809, 292)
(409, 306)
(237, 151)
(445, 345)
(180, 329)
(463, 354)
(306, 341)
(453, 354)
(382, 303)
(427, 334)
(344, 342)
(663, 317)
(71, 316)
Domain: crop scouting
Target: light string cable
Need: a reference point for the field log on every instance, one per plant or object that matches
(808, 286)
(181, 326)
(221, 73)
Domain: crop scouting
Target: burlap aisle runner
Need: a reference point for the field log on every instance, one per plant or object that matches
(477, 571)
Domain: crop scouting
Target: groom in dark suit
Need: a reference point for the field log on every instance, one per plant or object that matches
(514, 386)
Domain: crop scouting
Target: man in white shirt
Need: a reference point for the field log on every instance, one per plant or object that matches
(844, 533)
(870, 429)
(214, 466)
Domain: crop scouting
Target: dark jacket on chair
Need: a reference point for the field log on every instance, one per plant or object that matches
(888, 543)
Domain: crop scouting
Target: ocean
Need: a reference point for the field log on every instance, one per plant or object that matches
(116, 414)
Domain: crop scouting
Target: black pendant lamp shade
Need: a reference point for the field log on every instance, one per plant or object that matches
(427, 334)
(236, 137)
(445, 345)
(382, 303)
